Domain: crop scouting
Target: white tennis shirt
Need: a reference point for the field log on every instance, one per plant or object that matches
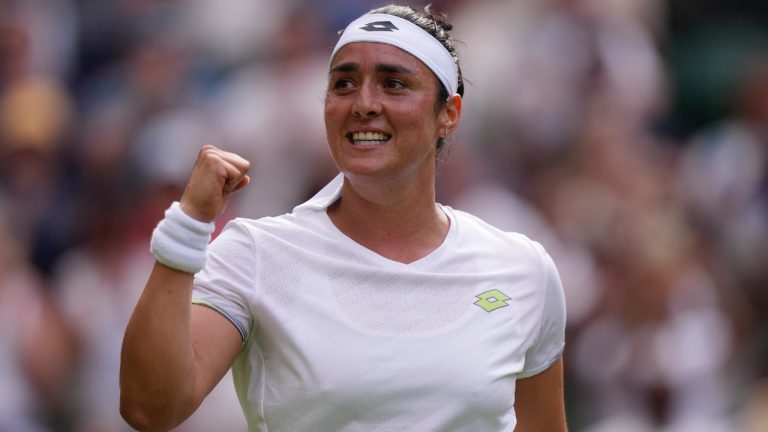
(339, 338)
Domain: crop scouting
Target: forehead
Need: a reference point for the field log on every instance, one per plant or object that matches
(375, 53)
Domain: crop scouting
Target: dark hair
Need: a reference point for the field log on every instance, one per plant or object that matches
(435, 24)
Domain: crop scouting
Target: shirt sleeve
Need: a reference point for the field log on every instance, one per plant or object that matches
(226, 283)
(549, 343)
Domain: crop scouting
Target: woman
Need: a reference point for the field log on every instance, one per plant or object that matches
(369, 307)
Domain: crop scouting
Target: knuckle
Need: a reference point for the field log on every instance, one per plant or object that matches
(206, 148)
(207, 151)
(210, 158)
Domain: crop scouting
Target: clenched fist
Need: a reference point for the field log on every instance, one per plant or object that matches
(215, 176)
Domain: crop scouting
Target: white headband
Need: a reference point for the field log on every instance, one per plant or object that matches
(409, 37)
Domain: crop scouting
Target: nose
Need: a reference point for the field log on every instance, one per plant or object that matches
(366, 104)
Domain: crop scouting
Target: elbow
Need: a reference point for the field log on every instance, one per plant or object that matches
(133, 414)
(144, 418)
(137, 416)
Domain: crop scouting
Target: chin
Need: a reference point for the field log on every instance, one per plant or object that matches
(366, 170)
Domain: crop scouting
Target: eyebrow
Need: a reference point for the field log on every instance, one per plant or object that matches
(390, 68)
(381, 67)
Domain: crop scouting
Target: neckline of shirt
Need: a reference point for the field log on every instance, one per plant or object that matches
(420, 263)
(332, 191)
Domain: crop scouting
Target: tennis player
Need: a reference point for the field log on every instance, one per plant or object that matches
(369, 307)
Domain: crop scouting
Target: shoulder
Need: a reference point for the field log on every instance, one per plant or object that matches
(497, 248)
(291, 230)
(271, 225)
(472, 228)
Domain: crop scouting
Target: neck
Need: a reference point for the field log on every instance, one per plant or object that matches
(399, 221)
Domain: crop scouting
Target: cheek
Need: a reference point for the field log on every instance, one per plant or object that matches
(332, 116)
(419, 118)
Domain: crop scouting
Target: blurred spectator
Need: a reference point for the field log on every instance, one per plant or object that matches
(35, 115)
(536, 67)
(725, 167)
(724, 177)
(654, 355)
(724, 186)
(37, 348)
(232, 32)
(39, 37)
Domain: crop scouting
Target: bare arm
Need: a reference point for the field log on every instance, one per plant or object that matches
(174, 352)
(539, 404)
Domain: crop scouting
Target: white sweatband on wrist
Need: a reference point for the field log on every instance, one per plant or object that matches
(180, 241)
(409, 37)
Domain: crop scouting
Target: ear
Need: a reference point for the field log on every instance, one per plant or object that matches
(451, 113)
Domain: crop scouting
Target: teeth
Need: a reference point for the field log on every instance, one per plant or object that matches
(369, 136)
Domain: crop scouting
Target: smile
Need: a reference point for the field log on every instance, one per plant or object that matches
(368, 138)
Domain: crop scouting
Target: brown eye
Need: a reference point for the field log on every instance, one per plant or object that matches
(394, 84)
(342, 84)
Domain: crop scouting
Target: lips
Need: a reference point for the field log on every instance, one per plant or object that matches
(368, 138)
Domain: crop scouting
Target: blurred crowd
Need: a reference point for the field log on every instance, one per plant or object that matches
(630, 137)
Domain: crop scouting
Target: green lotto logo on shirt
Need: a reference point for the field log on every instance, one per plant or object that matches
(492, 300)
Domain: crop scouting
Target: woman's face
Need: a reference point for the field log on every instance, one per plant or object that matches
(380, 113)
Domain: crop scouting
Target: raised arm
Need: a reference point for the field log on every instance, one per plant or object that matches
(174, 352)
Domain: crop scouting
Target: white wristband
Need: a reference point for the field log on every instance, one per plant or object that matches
(180, 241)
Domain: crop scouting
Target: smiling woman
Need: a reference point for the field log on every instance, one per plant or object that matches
(381, 91)
(370, 307)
